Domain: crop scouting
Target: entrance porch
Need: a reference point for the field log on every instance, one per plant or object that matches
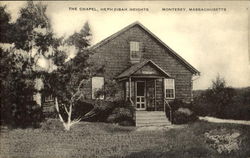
(146, 94)
(144, 87)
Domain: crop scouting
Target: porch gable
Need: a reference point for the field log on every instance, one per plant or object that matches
(145, 69)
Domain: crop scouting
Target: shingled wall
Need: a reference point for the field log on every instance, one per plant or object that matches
(115, 56)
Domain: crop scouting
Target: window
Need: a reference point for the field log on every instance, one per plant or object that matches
(97, 84)
(169, 88)
(134, 50)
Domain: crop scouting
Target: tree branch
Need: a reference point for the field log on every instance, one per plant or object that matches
(78, 91)
(67, 111)
(57, 109)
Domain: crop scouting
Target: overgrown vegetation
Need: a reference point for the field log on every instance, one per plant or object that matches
(111, 108)
(31, 34)
(26, 40)
(223, 102)
(118, 112)
(70, 77)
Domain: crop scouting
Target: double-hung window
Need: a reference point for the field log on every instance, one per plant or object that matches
(169, 88)
(134, 50)
(97, 85)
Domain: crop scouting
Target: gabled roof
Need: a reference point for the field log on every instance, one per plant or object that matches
(172, 52)
(134, 68)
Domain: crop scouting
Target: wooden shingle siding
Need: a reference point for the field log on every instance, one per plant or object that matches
(159, 94)
(115, 56)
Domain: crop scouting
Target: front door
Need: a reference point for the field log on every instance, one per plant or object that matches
(140, 95)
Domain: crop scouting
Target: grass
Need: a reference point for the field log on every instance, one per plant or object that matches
(107, 140)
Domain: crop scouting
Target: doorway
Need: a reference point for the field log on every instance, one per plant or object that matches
(140, 95)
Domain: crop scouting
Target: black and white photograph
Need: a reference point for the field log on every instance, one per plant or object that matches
(125, 79)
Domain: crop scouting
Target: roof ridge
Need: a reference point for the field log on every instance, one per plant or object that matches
(105, 40)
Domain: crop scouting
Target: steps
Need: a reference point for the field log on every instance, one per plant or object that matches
(151, 118)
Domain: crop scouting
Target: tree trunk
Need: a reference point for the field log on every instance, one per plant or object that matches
(67, 124)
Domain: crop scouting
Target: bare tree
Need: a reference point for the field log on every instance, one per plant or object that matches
(75, 97)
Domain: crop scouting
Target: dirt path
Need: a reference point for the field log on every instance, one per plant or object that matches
(217, 120)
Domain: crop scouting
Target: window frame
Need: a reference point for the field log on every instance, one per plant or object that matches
(172, 88)
(93, 91)
(134, 49)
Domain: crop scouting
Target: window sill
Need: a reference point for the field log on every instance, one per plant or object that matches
(133, 61)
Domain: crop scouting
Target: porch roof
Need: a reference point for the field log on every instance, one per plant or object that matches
(136, 67)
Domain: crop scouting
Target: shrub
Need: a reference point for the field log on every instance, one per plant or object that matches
(183, 115)
(118, 111)
(81, 108)
(102, 109)
(96, 110)
(223, 102)
(181, 112)
(213, 101)
(18, 84)
(28, 114)
(122, 116)
(236, 111)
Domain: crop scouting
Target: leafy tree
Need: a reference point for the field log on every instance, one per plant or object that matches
(33, 38)
(17, 89)
(32, 33)
(221, 95)
(81, 40)
(32, 18)
(5, 26)
(71, 76)
(216, 99)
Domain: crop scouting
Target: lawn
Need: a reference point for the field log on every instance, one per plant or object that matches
(107, 140)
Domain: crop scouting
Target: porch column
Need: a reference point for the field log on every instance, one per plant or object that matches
(164, 94)
(155, 93)
(130, 91)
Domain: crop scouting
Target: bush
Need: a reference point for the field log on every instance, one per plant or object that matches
(111, 111)
(18, 85)
(81, 108)
(26, 115)
(181, 112)
(226, 103)
(183, 115)
(102, 111)
(212, 102)
(236, 111)
(122, 116)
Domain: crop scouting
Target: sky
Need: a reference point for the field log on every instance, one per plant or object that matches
(214, 42)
